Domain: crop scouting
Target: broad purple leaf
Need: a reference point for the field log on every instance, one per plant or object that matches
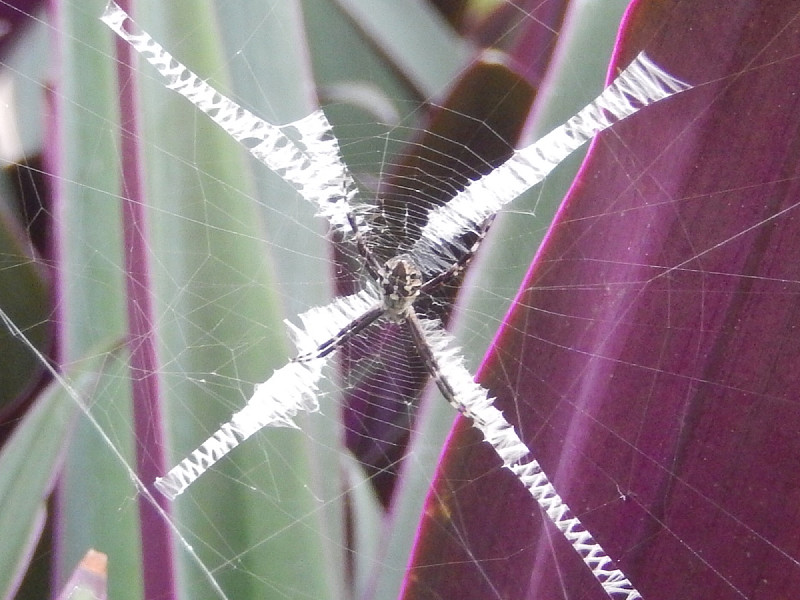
(651, 359)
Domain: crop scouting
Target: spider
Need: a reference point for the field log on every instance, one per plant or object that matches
(306, 155)
(400, 282)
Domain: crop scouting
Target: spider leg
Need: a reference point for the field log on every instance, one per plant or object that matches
(457, 267)
(432, 365)
(347, 332)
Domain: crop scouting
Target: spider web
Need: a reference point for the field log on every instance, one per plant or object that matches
(222, 335)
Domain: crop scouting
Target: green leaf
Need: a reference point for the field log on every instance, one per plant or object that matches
(214, 217)
(30, 459)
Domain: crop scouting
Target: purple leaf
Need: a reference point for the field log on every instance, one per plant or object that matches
(651, 359)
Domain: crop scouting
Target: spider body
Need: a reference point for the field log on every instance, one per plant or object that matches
(401, 282)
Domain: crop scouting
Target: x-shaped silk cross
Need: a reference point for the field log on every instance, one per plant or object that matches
(306, 154)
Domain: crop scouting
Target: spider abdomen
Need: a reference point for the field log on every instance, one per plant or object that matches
(401, 282)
